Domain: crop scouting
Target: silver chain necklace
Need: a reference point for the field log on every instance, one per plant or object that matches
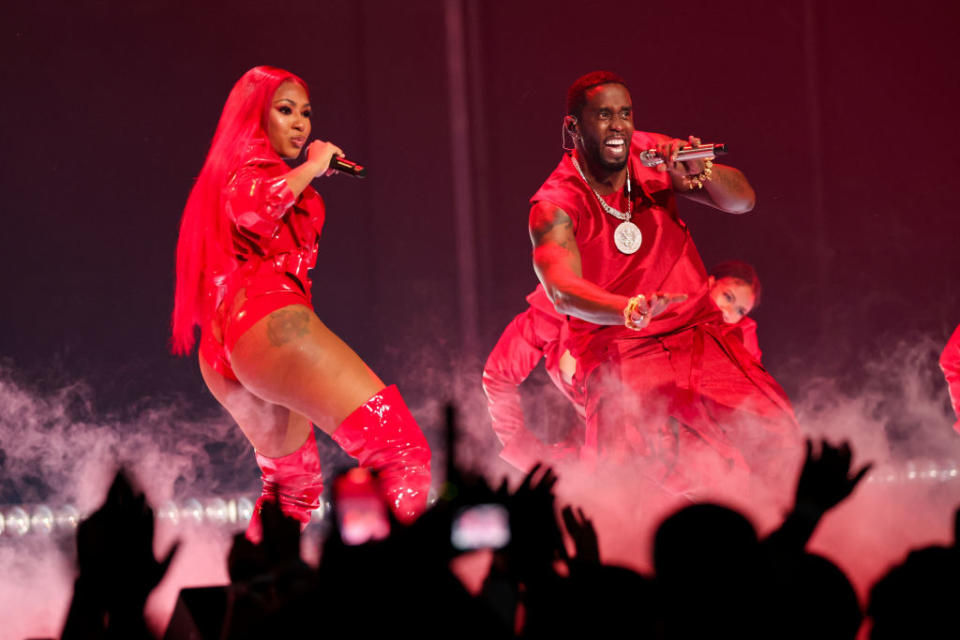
(627, 235)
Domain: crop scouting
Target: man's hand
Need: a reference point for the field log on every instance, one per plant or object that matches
(726, 188)
(647, 308)
(668, 151)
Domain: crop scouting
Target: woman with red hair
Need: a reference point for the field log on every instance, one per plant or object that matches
(247, 239)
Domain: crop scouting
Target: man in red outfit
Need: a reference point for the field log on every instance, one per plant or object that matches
(663, 384)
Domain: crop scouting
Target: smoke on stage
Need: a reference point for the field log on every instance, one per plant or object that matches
(56, 449)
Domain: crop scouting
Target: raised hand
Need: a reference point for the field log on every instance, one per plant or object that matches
(584, 536)
(117, 567)
(319, 154)
(826, 478)
(668, 151)
(536, 539)
(115, 544)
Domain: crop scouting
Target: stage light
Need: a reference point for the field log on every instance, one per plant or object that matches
(216, 511)
(67, 517)
(949, 471)
(168, 511)
(192, 511)
(884, 474)
(244, 510)
(910, 472)
(42, 519)
(18, 522)
(927, 470)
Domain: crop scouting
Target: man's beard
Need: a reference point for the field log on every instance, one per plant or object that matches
(594, 155)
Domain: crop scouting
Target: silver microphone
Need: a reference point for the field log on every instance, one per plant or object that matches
(650, 157)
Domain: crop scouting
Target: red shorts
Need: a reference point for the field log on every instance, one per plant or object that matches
(252, 294)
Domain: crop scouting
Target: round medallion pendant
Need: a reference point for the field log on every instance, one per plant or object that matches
(627, 237)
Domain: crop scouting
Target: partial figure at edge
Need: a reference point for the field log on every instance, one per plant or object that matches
(950, 365)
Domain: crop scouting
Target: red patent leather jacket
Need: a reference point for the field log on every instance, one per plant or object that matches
(274, 232)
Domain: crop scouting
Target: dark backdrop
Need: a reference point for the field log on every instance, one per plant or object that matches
(842, 114)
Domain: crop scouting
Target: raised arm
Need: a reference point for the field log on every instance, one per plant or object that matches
(556, 259)
(725, 188)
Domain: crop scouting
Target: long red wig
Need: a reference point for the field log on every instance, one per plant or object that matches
(204, 245)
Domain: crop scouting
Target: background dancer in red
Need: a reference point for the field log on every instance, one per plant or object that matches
(663, 383)
(735, 289)
(950, 365)
(539, 333)
(247, 240)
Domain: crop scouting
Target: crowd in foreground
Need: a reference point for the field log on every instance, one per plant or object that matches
(712, 575)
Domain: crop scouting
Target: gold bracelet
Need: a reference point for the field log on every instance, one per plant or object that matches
(697, 181)
(628, 310)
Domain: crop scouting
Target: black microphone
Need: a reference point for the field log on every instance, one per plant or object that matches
(650, 157)
(343, 165)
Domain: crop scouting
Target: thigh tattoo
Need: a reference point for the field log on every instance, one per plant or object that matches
(287, 324)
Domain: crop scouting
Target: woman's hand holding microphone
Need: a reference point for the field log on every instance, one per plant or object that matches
(319, 155)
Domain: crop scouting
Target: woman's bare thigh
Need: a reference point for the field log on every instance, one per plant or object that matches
(290, 358)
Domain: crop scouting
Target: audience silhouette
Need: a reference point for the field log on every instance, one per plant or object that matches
(712, 575)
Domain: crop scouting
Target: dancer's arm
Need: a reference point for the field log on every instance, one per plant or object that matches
(556, 259)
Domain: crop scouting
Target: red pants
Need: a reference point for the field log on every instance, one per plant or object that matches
(686, 407)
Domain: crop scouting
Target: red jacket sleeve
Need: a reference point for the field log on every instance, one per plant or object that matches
(256, 200)
(950, 365)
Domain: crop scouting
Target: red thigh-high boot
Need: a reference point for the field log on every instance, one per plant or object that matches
(383, 436)
(294, 480)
